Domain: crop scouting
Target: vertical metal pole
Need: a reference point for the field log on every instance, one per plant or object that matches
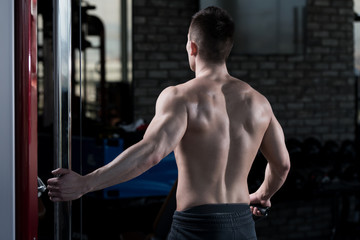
(124, 42)
(81, 111)
(62, 108)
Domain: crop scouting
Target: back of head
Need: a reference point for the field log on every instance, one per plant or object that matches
(212, 29)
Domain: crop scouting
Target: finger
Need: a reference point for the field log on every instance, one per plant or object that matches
(252, 210)
(55, 199)
(53, 194)
(60, 197)
(52, 187)
(57, 195)
(259, 213)
(52, 181)
(60, 171)
(256, 211)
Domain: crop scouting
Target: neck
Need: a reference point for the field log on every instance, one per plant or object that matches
(203, 69)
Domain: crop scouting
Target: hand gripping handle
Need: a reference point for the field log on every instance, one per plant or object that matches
(263, 210)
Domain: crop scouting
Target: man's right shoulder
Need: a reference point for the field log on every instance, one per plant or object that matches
(261, 98)
(253, 93)
(260, 102)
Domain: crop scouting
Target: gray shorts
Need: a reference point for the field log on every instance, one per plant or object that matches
(213, 221)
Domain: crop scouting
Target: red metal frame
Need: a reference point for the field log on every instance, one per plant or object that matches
(26, 119)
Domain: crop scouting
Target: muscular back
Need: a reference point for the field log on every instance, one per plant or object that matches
(227, 120)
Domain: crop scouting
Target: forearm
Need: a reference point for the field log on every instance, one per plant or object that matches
(273, 180)
(128, 165)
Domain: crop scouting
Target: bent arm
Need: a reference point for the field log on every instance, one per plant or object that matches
(162, 136)
(274, 149)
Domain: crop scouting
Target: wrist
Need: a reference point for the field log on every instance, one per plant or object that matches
(87, 186)
(262, 194)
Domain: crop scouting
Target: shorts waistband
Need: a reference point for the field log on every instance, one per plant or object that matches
(214, 216)
(218, 208)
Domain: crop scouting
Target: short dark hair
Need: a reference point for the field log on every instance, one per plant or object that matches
(213, 30)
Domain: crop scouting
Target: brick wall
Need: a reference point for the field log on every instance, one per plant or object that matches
(312, 94)
(299, 219)
(159, 37)
(315, 217)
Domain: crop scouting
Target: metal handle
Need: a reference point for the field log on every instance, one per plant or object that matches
(41, 187)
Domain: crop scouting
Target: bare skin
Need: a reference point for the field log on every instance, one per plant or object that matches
(215, 124)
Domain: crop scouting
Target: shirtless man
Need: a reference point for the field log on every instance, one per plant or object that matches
(215, 124)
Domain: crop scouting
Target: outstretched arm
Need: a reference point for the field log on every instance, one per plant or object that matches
(274, 149)
(162, 136)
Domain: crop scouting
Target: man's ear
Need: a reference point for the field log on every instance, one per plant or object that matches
(193, 48)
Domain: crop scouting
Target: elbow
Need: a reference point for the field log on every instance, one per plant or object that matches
(282, 167)
(154, 155)
(286, 165)
(287, 162)
(153, 160)
(286, 169)
(153, 151)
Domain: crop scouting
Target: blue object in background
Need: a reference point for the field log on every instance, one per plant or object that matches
(157, 181)
(92, 154)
